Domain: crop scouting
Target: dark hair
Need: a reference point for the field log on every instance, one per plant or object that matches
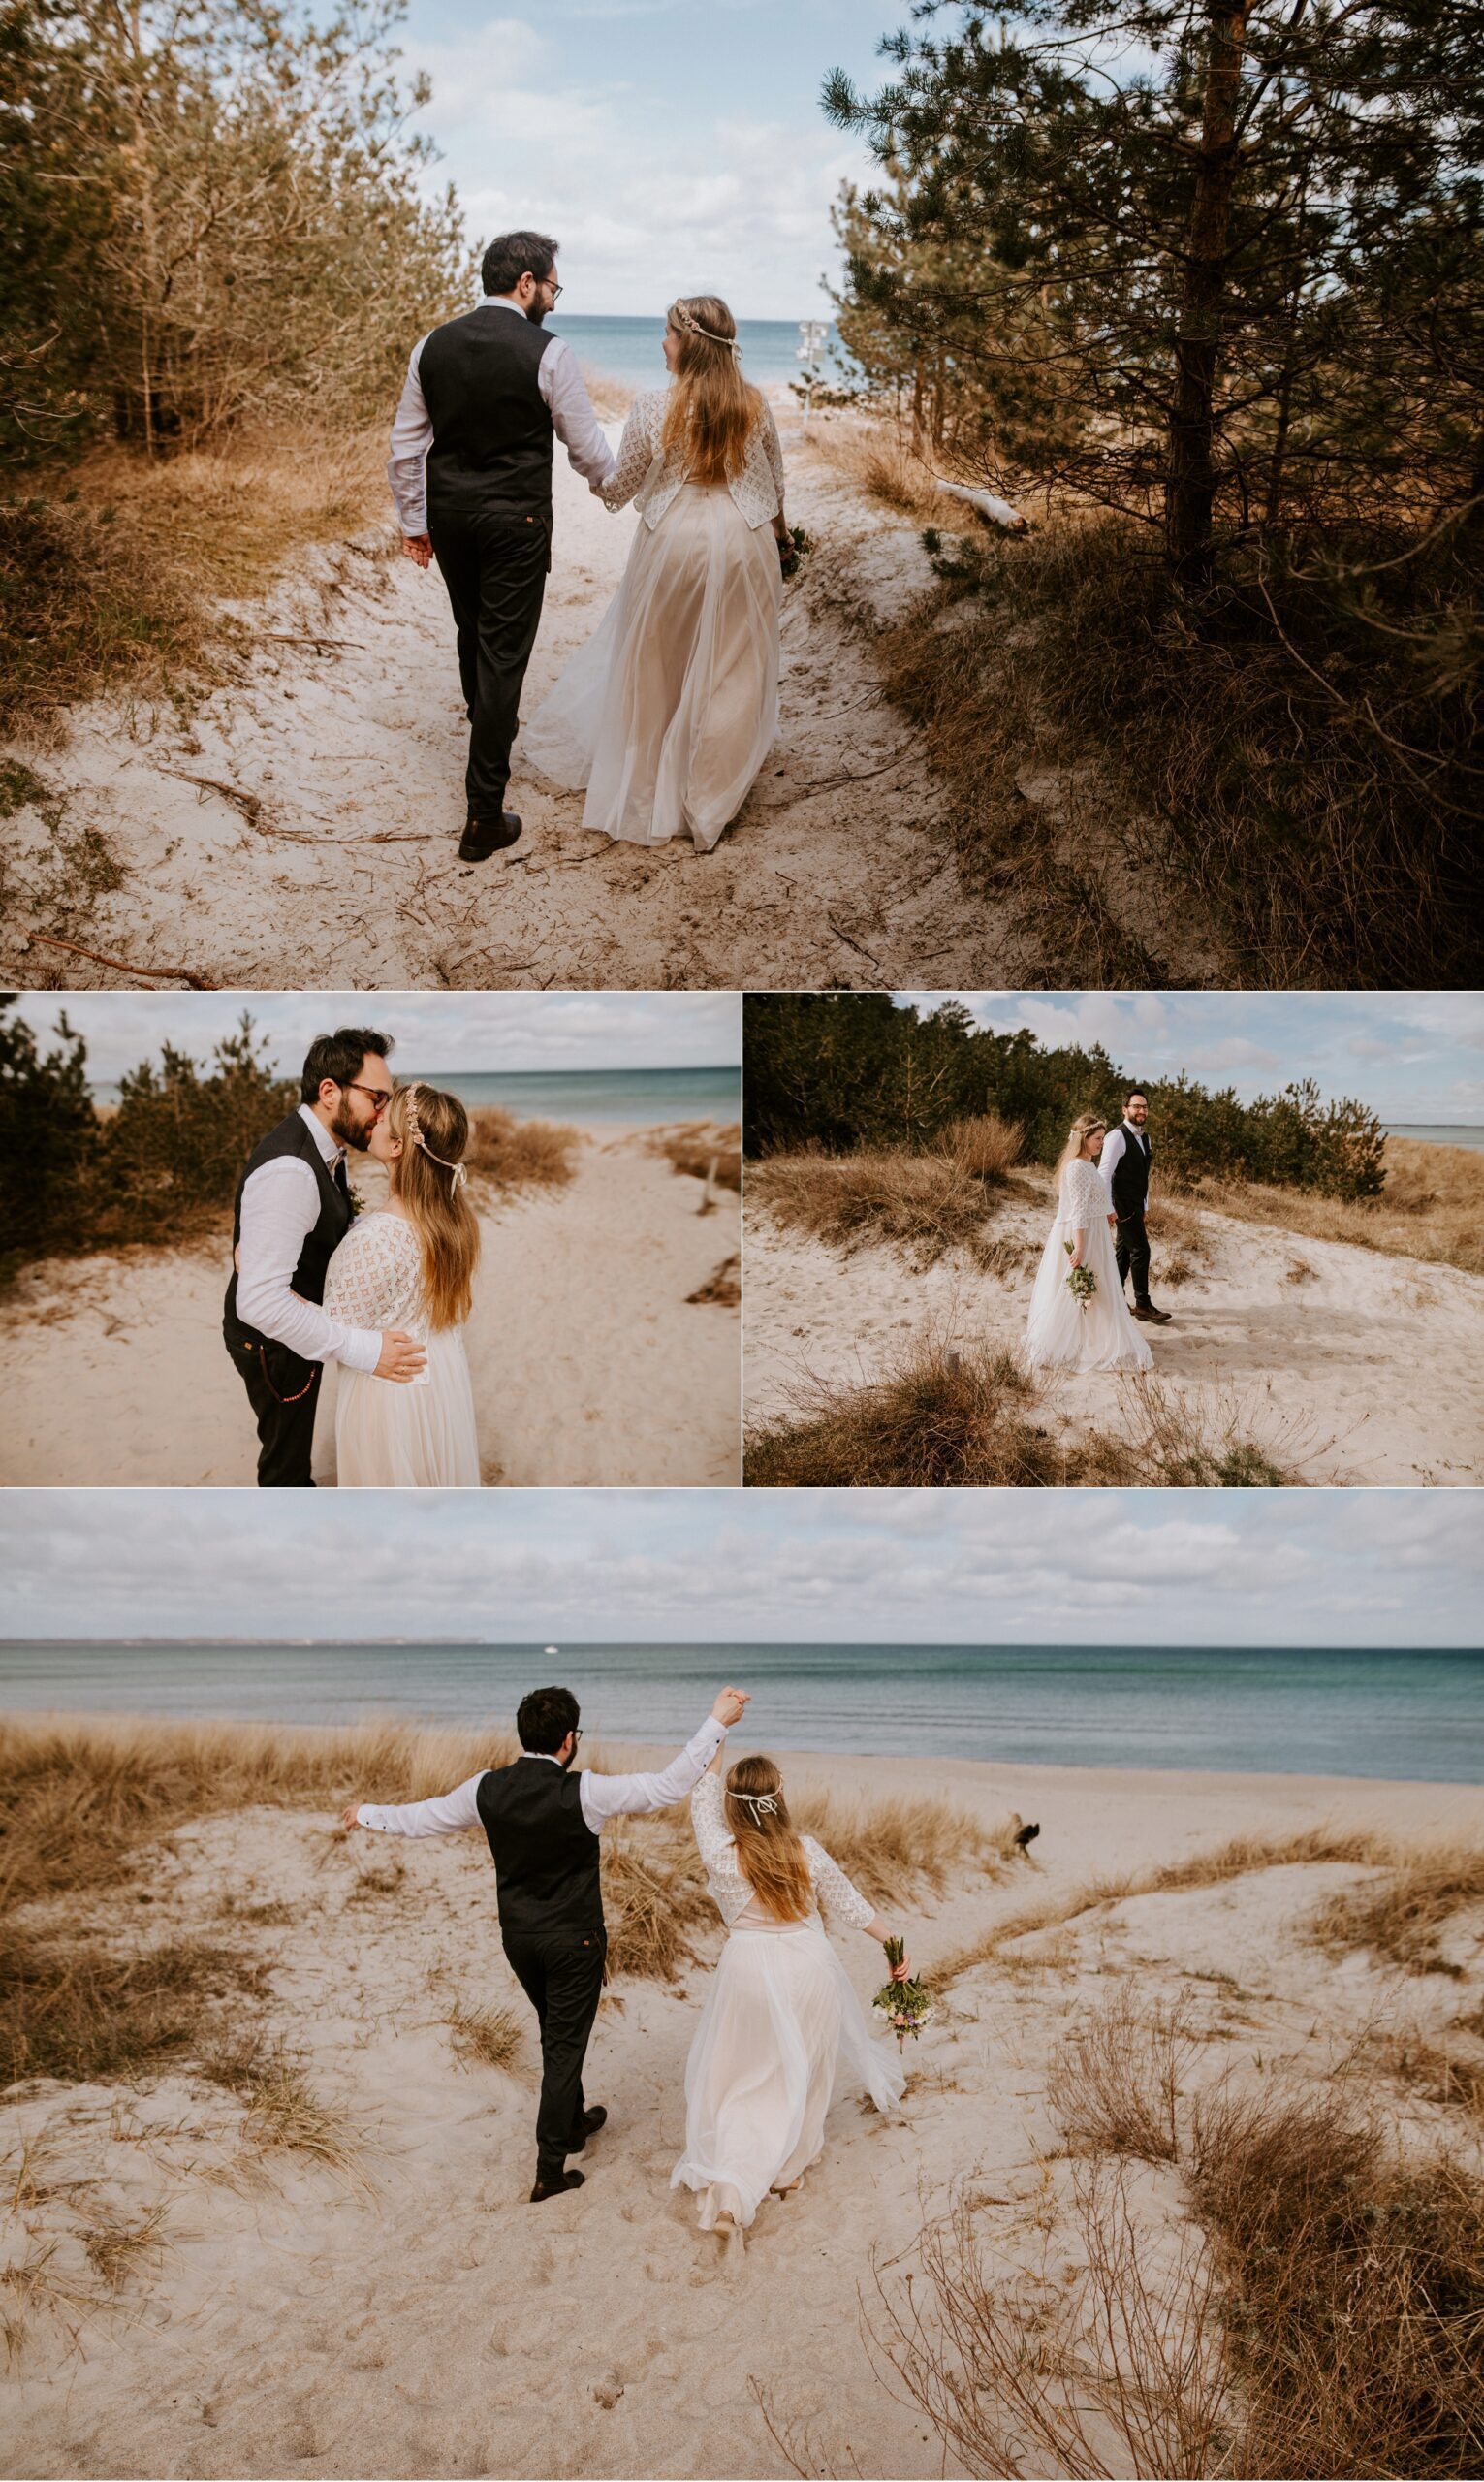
(545, 1717)
(1132, 1092)
(513, 255)
(338, 1056)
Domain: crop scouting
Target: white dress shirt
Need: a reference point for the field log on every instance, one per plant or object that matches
(602, 1797)
(1115, 1147)
(563, 393)
(281, 1209)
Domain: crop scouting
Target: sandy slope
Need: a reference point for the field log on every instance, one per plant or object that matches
(343, 759)
(423, 2319)
(1351, 1365)
(589, 1363)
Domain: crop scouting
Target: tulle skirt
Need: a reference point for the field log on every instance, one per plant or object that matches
(1060, 1333)
(420, 1437)
(781, 2032)
(669, 711)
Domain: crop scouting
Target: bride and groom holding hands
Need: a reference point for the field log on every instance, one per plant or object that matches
(383, 1293)
(665, 714)
(781, 2029)
(1079, 1318)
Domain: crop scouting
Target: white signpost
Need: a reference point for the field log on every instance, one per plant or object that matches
(811, 335)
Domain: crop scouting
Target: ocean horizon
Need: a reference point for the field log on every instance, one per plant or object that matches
(646, 1095)
(630, 350)
(1400, 1714)
(1437, 1132)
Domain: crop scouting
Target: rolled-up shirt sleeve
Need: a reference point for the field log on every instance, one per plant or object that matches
(611, 1796)
(446, 1814)
(564, 393)
(412, 436)
(280, 1204)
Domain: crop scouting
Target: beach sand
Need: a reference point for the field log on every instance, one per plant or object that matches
(413, 2315)
(590, 1363)
(1349, 1365)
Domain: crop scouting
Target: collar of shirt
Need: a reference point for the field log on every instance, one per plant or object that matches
(503, 301)
(330, 1147)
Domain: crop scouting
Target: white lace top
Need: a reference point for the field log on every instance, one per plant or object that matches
(647, 477)
(1086, 1197)
(730, 1892)
(376, 1278)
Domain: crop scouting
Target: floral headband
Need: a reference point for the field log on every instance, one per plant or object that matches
(415, 1133)
(679, 317)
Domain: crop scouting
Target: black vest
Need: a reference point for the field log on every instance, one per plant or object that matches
(545, 1855)
(293, 1136)
(1130, 1179)
(491, 432)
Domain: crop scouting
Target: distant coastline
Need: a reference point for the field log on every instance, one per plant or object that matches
(637, 1096)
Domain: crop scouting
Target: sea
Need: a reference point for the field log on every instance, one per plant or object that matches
(630, 349)
(1440, 1133)
(643, 1097)
(1396, 1713)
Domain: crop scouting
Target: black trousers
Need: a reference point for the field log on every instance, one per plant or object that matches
(494, 566)
(1131, 1251)
(283, 1392)
(562, 1977)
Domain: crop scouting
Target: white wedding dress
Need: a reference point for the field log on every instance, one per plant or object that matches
(669, 711)
(1061, 1334)
(392, 1434)
(782, 2031)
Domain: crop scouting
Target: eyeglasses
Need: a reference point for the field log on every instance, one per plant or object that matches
(552, 286)
(379, 1095)
(577, 1735)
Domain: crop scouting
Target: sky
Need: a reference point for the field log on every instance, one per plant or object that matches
(432, 1031)
(1410, 1054)
(669, 145)
(1183, 1568)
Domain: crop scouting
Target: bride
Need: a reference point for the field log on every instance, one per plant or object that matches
(410, 1265)
(1062, 1333)
(669, 711)
(782, 2025)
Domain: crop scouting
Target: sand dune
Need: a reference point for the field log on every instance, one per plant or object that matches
(591, 1364)
(1350, 1365)
(412, 2314)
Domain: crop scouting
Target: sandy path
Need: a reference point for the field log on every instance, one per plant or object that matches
(425, 2320)
(589, 1363)
(342, 756)
(1352, 1366)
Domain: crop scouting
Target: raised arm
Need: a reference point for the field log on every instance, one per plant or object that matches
(635, 455)
(709, 1819)
(611, 1796)
(446, 1814)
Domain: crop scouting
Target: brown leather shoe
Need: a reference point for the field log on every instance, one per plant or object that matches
(482, 836)
(587, 2126)
(556, 2188)
(1151, 1317)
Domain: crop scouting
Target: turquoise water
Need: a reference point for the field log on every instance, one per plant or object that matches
(629, 349)
(643, 1095)
(1393, 1713)
(1442, 1133)
(583, 1094)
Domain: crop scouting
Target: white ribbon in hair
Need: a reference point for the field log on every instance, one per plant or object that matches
(415, 1133)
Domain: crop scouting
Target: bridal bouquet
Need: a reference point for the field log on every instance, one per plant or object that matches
(1081, 1282)
(905, 2005)
(791, 553)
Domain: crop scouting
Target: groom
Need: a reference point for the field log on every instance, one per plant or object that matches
(483, 397)
(544, 1824)
(293, 1207)
(1124, 1163)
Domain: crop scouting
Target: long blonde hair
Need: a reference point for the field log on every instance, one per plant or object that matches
(713, 410)
(1077, 1138)
(768, 1852)
(429, 1180)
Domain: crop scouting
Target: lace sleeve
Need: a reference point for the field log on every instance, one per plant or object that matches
(1086, 1193)
(635, 455)
(834, 1890)
(709, 1819)
(772, 448)
(368, 1278)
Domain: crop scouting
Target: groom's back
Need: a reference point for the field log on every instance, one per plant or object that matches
(545, 1855)
(491, 430)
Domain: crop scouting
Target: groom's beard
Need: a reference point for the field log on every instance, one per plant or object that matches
(351, 1133)
(535, 311)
